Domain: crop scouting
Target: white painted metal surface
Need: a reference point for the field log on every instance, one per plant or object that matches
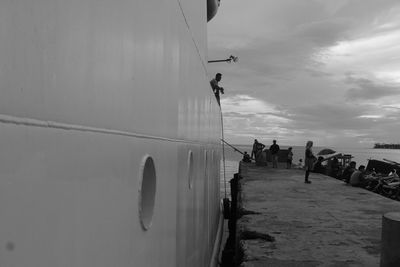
(88, 88)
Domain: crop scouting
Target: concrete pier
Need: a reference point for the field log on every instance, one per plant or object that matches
(290, 223)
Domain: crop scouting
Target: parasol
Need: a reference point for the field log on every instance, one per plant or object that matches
(326, 151)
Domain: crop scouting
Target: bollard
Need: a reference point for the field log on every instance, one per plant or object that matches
(390, 249)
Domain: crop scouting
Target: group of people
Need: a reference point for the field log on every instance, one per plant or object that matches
(274, 149)
(257, 154)
(351, 175)
(311, 163)
(370, 180)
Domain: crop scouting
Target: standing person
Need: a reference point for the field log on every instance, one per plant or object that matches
(215, 87)
(254, 151)
(274, 149)
(309, 161)
(289, 158)
(259, 150)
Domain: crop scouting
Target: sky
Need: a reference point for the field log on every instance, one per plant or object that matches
(320, 70)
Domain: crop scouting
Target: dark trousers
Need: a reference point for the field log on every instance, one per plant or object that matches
(307, 174)
(217, 97)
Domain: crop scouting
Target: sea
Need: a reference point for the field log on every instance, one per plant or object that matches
(360, 156)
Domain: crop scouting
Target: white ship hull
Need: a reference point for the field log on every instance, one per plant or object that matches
(91, 94)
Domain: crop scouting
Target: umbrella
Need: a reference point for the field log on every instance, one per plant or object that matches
(326, 151)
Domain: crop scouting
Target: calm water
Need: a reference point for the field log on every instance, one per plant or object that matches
(360, 155)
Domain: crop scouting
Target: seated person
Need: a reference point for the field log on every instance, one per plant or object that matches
(246, 157)
(393, 174)
(318, 167)
(373, 172)
(334, 167)
(371, 179)
(357, 177)
(348, 171)
(300, 164)
(376, 183)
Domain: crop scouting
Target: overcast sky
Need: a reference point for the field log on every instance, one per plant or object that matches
(321, 70)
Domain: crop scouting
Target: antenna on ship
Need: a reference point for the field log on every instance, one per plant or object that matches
(230, 59)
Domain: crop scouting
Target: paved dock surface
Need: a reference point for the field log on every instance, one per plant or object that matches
(326, 223)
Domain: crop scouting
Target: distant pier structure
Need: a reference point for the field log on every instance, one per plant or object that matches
(387, 146)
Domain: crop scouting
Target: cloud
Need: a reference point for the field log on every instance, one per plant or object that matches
(324, 32)
(322, 123)
(309, 69)
(369, 90)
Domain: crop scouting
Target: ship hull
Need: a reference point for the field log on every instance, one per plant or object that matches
(109, 134)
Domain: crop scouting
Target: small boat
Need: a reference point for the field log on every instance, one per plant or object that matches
(384, 166)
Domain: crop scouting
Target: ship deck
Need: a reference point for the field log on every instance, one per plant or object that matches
(326, 223)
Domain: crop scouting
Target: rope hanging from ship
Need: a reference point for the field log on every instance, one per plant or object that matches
(225, 201)
(223, 152)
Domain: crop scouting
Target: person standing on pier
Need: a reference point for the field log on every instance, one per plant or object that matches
(254, 151)
(216, 88)
(259, 153)
(309, 161)
(274, 149)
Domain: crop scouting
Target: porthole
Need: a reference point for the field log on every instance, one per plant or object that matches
(147, 192)
(190, 169)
